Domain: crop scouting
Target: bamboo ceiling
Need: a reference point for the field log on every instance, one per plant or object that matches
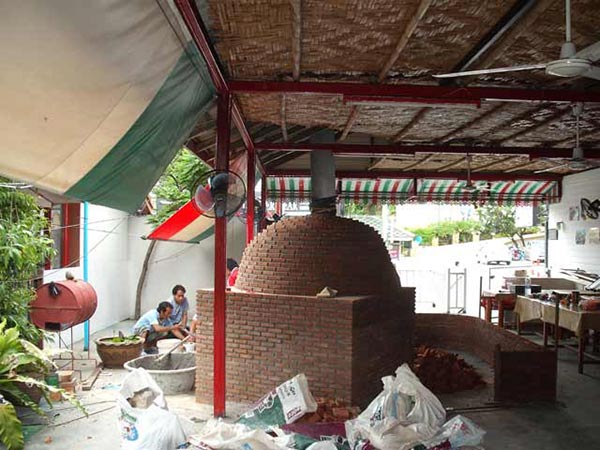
(401, 41)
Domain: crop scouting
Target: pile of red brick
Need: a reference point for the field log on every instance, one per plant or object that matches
(443, 372)
(330, 410)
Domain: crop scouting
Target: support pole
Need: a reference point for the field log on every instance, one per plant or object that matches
(223, 134)
(263, 200)
(250, 194)
(84, 263)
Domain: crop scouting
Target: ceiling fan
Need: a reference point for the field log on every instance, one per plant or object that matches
(470, 186)
(571, 63)
(578, 160)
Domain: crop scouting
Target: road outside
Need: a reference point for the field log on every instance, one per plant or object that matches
(428, 272)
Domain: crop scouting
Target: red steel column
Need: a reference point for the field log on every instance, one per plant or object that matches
(263, 200)
(223, 132)
(250, 194)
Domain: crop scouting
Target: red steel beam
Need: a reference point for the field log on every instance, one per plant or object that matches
(263, 200)
(250, 195)
(373, 175)
(402, 149)
(415, 92)
(367, 99)
(227, 109)
(219, 317)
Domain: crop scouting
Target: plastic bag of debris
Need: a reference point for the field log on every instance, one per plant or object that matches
(305, 435)
(285, 404)
(402, 415)
(144, 421)
(459, 432)
(216, 435)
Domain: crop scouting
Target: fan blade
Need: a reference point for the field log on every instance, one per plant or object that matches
(487, 71)
(591, 52)
(593, 73)
(551, 168)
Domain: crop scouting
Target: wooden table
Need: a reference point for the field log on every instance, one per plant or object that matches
(502, 301)
(577, 321)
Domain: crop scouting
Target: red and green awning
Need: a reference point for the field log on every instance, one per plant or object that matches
(294, 189)
(519, 192)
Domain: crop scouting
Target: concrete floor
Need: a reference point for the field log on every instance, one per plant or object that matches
(572, 422)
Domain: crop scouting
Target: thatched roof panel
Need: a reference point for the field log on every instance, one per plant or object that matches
(438, 122)
(253, 37)
(447, 32)
(352, 37)
(495, 123)
(384, 121)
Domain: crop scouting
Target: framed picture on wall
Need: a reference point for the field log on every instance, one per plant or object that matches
(574, 213)
(580, 236)
(593, 235)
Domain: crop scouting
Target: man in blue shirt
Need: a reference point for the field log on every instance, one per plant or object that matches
(180, 305)
(154, 325)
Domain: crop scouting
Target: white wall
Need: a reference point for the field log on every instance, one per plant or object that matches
(564, 253)
(116, 252)
(191, 265)
(107, 267)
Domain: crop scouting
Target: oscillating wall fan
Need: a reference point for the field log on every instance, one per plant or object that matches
(219, 193)
(578, 160)
(571, 63)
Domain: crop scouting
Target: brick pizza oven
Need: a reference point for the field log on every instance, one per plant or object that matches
(277, 327)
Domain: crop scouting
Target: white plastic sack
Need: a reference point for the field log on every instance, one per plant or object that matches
(150, 428)
(322, 445)
(460, 431)
(217, 434)
(285, 404)
(402, 415)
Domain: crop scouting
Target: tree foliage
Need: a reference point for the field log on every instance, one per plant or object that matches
(446, 229)
(175, 186)
(24, 246)
(499, 221)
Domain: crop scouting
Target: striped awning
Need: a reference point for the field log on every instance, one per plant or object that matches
(519, 192)
(376, 191)
(97, 97)
(294, 189)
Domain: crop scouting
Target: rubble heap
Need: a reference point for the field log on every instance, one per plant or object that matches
(444, 372)
(330, 410)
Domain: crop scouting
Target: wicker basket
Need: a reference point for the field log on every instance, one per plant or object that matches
(115, 354)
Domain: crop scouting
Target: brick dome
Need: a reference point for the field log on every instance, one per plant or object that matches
(302, 255)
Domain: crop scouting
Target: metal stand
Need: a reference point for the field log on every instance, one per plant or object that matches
(75, 360)
(454, 281)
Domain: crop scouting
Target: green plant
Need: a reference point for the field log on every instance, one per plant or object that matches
(174, 187)
(24, 246)
(19, 356)
(121, 339)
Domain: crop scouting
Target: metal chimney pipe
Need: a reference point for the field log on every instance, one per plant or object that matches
(322, 171)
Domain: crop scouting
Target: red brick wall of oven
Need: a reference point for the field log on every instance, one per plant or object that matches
(344, 345)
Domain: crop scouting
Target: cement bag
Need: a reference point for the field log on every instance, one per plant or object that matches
(404, 414)
(286, 404)
(144, 421)
(217, 434)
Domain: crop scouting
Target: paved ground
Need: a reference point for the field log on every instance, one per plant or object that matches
(570, 423)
